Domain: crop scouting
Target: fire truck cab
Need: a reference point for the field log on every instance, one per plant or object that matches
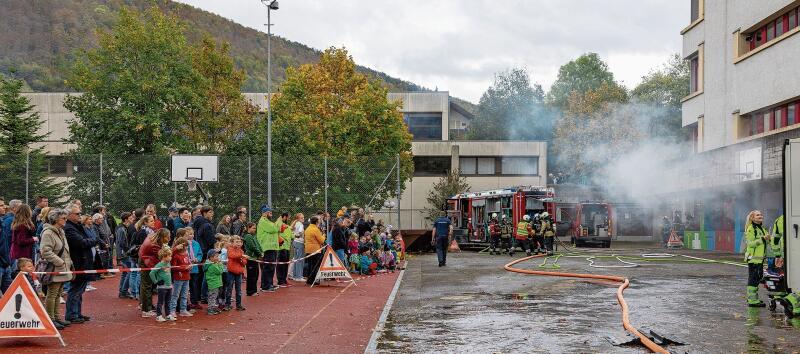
(592, 224)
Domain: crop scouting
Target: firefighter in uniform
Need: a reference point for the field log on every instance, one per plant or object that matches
(547, 230)
(775, 249)
(757, 239)
(494, 234)
(506, 230)
(524, 231)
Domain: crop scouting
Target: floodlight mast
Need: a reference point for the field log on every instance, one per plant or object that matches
(271, 5)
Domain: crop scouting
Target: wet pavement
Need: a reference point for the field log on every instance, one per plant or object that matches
(474, 305)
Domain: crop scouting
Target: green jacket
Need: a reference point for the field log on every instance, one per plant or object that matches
(776, 243)
(754, 237)
(213, 274)
(162, 274)
(267, 234)
(287, 236)
(252, 248)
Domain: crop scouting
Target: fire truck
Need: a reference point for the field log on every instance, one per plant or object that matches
(592, 224)
(471, 212)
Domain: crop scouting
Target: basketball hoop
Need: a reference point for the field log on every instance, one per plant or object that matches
(191, 184)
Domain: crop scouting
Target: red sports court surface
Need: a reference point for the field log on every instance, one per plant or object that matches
(338, 318)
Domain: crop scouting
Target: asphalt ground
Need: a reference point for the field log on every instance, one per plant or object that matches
(337, 318)
(474, 305)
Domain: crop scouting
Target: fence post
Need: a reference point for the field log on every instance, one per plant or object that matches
(27, 175)
(101, 179)
(327, 222)
(398, 192)
(249, 187)
(174, 193)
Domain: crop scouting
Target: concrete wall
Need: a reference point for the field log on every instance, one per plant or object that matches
(426, 102)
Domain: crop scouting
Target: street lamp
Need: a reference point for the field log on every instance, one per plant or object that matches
(271, 5)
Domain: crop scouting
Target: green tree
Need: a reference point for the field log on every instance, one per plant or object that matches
(512, 109)
(19, 130)
(596, 127)
(587, 72)
(137, 85)
(663, 90)
(329, 109)
(443, 189)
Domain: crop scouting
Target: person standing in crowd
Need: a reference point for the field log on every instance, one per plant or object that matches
(5, 244)
(252, 248)
(756, 238)
(55, 250)
(161, 277)
(40, 221)
(239, 225)
(494, 235)
(340, 238)
(148, 257)
(23, 234)
(41, 203)
(440, 237)
(267, 234)
(122, 245)
(144, 228)
(206, 237)
(173, 214)
(104, 246)
(313, 243)
(3, 208)
(284, 250)
(150, 210)
(547, 231)
(224, 226)
(91, 233)
(194, 251)
(81, 247)
(298, 246)
(236, 264)
(524, 232)
(111, 223)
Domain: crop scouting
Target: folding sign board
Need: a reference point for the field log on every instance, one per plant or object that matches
(332, 267)
(22, 314)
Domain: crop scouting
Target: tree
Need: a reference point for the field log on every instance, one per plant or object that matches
(224, 114)
(512, 110)
(663, 90)
(587, 72)
(138, 86)
(444, 188)
(19, 130)
(597, 127)
(329, 109)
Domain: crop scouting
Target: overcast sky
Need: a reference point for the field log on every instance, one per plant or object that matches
(457, 45)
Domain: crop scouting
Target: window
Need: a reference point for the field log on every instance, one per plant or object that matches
(695, 14)
(477, 165)
(424, 126)
(431, 165)
(792, 19)
(694, 65)
(779, 30)
(792, 114)
(777, 118)
(770, 31)
(58, 165)
(783, 23)
(520, 166)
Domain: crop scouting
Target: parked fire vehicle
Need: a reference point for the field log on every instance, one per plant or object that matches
(592, 224)
(471, 212)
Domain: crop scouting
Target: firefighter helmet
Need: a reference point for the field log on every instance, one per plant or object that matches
(494, 215)
(544, 215)
(526, 217)
(504, 216)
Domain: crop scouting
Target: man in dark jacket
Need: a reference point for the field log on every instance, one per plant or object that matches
(5, 244)
(340, 235)
(80, 250)
(205, 234)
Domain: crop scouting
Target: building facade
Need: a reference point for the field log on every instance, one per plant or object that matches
(744, 103)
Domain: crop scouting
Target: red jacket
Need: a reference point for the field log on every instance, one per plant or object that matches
(180, 258)
(21, 242)
(148, 253)
(236, 260)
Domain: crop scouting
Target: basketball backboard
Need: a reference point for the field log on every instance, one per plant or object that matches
(204, 168)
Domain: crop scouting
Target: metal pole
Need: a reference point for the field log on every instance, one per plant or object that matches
(326, 183)
(249, 186)
(174, 193)
(269, 108)
(27, 175)
(101, 179)
(398, 192)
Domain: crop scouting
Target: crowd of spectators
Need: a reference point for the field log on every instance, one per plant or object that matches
(189, 259)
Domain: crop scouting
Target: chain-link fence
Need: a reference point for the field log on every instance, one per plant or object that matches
(305, 184)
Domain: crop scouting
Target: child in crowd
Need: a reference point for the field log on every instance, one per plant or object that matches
(352, 246)
(369, 243)
(180, 278)
(368, 267)
(387, 260)
(237, 260)
(252, 248)
(400, 249)
(195, 254)
(162, 279)
(222, 247)
(25, 265)
(213, 270)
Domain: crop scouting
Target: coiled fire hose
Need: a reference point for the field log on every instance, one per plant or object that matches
(623, 305)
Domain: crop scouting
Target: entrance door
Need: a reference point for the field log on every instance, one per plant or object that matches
(791, 172)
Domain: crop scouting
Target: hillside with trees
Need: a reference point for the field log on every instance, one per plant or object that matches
(40, 40)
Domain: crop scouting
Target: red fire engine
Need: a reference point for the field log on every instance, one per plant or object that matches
(471, 212)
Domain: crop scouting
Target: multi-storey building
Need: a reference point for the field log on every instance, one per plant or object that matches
(744, 103)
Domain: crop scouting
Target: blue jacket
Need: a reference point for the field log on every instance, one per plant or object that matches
(366, 261)
(198, 255)
(5, 240)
